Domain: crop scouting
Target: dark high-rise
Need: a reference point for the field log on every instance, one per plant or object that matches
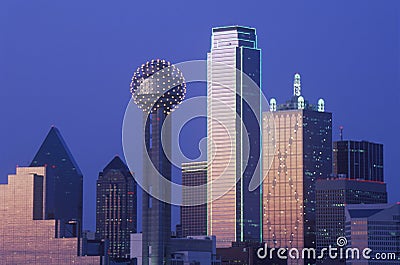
(194, 218)
(63, 185)
(116, 207)
(358, 160)
(303, 154)
(332, 197)
(157, 88)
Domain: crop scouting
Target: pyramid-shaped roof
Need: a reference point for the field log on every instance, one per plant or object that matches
(116, 163)
(54, 152)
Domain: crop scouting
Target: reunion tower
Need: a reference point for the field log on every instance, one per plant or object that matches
(157, 88)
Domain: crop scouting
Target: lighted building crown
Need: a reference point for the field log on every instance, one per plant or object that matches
(297, 85)
(158, 84)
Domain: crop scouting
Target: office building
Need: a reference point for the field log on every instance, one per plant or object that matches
(63, 183)
(157, 88)
(374, 226)
(303, 154)
(332, 195)
(26, 237)
(116, 207)
(194, 218)
(358, 160)
(234, 212)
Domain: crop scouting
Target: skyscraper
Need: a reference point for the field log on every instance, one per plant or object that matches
(157, 88)
(303, 140)
(116, 207)
(25, 237)
(64, 181)
(235, 216)
(194, 218)
(358, 160)
(332, 196)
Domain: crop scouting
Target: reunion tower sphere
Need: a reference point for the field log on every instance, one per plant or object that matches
(158, 84)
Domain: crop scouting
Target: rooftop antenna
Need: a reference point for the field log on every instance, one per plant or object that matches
(296, 85)
(341, 133)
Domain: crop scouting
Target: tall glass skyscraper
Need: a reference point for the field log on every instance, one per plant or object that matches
(63, 183)
(116, 207)
(235, 216)
(303, 140)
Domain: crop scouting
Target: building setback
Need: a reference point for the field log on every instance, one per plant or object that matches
(26, 237)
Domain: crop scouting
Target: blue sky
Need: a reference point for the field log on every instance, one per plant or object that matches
(69, 64)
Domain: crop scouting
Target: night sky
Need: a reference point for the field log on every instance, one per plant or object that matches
(69, 64)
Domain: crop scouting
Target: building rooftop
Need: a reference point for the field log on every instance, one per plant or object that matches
(234, 27)
(297, 101)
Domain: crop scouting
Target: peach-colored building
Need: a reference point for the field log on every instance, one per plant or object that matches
(24, 237)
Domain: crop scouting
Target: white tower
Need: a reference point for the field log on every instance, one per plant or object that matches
(321, 105)
(297, 85)
(272, 104)
(300, 103)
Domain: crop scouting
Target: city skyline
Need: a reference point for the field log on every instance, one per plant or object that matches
(82, 146)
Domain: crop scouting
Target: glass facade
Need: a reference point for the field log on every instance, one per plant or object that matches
(194, 218)
(235, 216)
(374, 226)
(332, 197)
(116, 207)
(303, 154)
(63, 182)
(25, 238)
(358, 160)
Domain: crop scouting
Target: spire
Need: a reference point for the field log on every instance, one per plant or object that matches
(341, 133)
(296, 85)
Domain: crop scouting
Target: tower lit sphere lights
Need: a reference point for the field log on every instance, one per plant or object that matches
(158, 84)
